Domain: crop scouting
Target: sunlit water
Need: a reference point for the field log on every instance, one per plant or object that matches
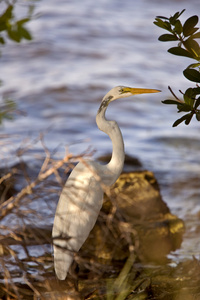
(80, 50)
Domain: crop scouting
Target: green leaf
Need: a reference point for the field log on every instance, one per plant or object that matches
(192, 75)
(193, 30)
(178, 27)
(189, 101)
(197, 103)
(7, 15)
(189, 97)
(169, 101)
(184, 107)
(2, 40)
(198, 116)
(3, 26)
(192, 46)
(22, 21)
(181, 13)
(24, 33)
(192, 66)
(175, 17)
(14, 29)
(189, 93)
(180, 51)
(163, 24)
(161, 17)
(196, 91)
(196, 35)
(188, 119)
(177, 122)
(189, 25)
(167, 37)
(13, 35)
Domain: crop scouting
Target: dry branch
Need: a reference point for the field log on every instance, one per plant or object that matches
(13, 201)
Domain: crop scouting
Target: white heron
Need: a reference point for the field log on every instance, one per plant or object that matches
(82, 196)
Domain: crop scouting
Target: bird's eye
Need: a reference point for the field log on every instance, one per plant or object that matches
(122, 90)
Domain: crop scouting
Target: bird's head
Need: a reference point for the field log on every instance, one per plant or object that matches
(122, 92)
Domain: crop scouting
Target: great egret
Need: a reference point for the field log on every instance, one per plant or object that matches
(82, 196)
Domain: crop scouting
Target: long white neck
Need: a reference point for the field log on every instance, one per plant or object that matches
(111, 128)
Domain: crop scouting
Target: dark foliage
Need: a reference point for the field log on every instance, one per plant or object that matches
(185, 34)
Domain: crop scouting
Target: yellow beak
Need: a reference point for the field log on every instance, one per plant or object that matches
(136, 91)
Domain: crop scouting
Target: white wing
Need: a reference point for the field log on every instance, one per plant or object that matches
(76, 214)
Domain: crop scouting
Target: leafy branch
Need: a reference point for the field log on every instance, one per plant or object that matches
(185, 34)
(15, 30)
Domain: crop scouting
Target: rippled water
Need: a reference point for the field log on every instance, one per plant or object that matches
(80, 50)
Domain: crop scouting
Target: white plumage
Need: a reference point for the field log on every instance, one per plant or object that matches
(82, 196)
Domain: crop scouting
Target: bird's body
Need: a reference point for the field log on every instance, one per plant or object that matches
(76, 214)
(82, 195)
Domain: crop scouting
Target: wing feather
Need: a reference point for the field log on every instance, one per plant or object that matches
(76, 215)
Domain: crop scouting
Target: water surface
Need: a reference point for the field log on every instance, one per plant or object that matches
(81, 50)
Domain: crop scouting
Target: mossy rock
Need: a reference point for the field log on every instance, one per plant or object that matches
(134, 216)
